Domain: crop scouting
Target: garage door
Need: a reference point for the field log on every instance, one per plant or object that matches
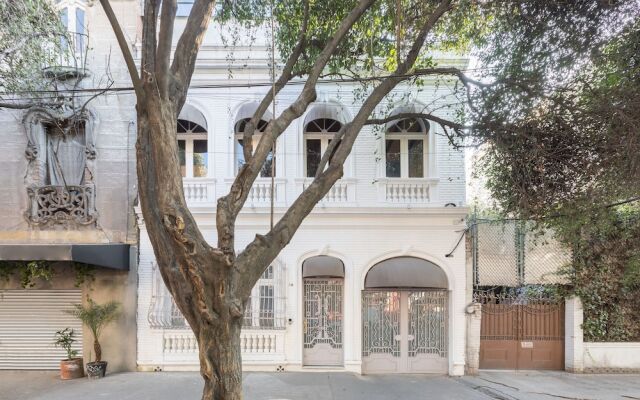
(522, 336)
(28, 322)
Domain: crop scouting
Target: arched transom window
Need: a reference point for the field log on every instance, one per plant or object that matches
(405, 148)
(317, 136)
(267, 168)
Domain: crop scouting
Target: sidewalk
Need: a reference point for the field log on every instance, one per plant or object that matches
(30, 385)
(501, 385)
(546, 385)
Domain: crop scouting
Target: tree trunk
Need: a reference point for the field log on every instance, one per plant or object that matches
(98, 350)
(198, 276)
(220, 362)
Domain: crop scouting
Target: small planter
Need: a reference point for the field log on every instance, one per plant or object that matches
(96, 369)
(71, 368)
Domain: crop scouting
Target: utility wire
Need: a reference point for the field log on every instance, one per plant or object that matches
(228, 85)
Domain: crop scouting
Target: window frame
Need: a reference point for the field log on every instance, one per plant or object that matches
(255, 139)
(188, 154)
(325, 138)
(256, 316)
(404, 138)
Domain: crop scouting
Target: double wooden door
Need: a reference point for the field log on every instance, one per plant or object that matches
(522, 336)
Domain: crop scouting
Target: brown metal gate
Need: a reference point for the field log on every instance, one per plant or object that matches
(514, 335)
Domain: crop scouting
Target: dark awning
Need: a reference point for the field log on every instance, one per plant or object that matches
(406, 272)
(109, 255)
(322, 266)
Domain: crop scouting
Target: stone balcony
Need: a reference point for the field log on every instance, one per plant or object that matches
(347, 192)
(199, 191)
(411, 191)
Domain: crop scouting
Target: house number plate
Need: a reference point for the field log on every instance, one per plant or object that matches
(526, 345)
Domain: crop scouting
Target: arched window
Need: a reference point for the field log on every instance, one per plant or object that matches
(267, 168)
(265, 308)
(318, 133)
(192, 148)
(405, 144)
(72, 16)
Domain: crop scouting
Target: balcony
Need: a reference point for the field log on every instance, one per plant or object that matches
(199, 191)
(400, 191)
(69, 60)
(260, 192)
(50, 205)
(343, 192)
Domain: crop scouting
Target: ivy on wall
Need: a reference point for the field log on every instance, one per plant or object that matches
(605, 271)
(30, 272)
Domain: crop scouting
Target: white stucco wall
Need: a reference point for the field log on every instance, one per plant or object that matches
(361, 228)
(360, 241)
(612, 357)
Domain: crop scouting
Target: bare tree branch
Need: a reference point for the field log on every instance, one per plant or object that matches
(24, 106)
(263, 249)
(149, 41)
(230, 205)
(184, 58)
(124, 47)
(285, 76)
(165, 38)
(427, 116)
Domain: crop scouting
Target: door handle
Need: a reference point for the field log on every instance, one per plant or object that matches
(397, 338)
(410, 338)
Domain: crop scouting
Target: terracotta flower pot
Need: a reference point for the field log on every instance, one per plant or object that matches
(72, 368)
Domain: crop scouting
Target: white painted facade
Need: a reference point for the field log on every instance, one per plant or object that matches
(595, 357)
(365, 219)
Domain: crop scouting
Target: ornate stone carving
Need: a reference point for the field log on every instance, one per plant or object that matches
(50, 205)
(58, 204)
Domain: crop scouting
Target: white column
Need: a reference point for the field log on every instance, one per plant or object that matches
(573, 337)
(474, 317)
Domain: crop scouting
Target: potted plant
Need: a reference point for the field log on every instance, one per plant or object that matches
(95, 317)
(71, 368)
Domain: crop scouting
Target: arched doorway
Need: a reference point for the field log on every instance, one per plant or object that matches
(405, 317)
(323, 283)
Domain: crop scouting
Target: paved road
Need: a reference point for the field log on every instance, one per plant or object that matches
(326, 386)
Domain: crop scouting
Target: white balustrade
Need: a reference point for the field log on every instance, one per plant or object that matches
(260, 192)
(257, 343)
(175, 342)
(407, 191)
(343, 191)
(253, 342)
(198, 190)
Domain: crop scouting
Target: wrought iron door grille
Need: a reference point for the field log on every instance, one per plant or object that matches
(323, 312)
(428, 323)
(381, 323)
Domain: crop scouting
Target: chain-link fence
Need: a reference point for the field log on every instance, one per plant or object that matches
(512, 253)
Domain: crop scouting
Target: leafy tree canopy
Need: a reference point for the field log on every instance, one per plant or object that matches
(31, 37)
(569, 140)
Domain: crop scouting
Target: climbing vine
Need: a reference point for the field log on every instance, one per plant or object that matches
(605, 272)
(30, 272)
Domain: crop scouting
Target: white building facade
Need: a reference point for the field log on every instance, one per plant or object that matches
(374, 281)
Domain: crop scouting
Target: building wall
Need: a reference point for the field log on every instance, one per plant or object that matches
(595, 357)
(360, 240)
(115, 183)
(361, 227)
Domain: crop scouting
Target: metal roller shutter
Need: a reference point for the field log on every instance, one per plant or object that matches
(28, 322)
